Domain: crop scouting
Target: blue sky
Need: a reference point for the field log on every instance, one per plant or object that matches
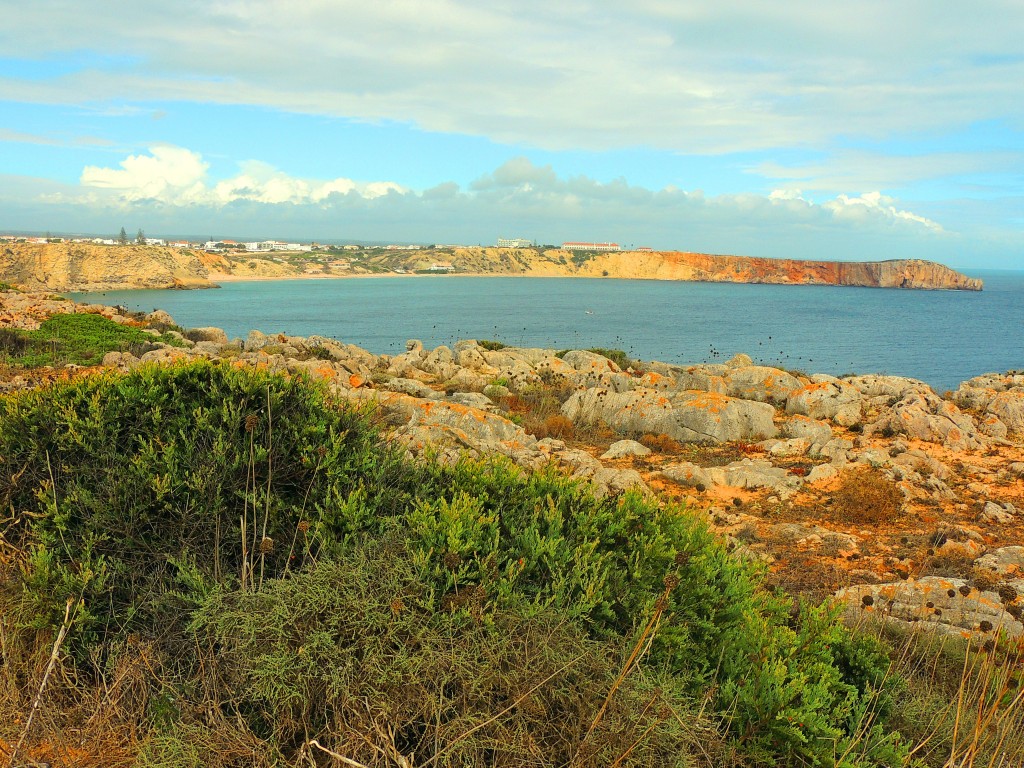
(800, 129)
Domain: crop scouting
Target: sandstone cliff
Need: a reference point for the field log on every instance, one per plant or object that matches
(87, 267)
(676, 265)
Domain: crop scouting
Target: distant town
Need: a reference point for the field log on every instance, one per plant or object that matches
(271, 246)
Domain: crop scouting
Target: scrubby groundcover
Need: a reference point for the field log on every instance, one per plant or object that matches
(296, 588)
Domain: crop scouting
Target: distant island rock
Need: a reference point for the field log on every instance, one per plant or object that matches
(89, 267)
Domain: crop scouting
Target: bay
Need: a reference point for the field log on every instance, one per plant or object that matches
(940, 337)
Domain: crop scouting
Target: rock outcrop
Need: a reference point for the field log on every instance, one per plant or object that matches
(908, 499)
(88, 267)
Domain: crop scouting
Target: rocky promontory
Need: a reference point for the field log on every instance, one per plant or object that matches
(89, 267)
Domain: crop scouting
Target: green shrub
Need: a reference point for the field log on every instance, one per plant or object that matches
(131, 492)
(491, 345)
(355, 653)
(617, 356)
(82, 339)
(141, 483)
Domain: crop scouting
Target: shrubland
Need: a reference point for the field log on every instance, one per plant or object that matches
(80, 339)
(211, 565)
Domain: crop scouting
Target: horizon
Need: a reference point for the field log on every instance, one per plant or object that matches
(836, 134)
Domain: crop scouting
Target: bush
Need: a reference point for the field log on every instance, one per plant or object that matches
(355, 653)
(491, 345)
(661, 443)
(134, 491)
(867, 497)
(82, 339)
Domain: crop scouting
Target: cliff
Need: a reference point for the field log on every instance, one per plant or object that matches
(677, 265)
(85, 267)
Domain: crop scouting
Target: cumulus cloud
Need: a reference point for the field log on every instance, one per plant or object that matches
(179, 176)
(873, 204)
(167, 173)
(171, 186)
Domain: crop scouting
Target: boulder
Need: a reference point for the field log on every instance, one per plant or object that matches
(829, 399)
(624, 448)
(688, 474)
(887, 386)
(210, 333)
(761, 383)
(160, 317)
(818, 432)
(949, 606)
(1008, 407)
(707, 416)
(794, 446)
(753, 473)
(485, 429)
(996, 513)
(411, 387)
(472, 400)
(927, 417)
(472, 357)
(589, 362)
(609, 481)
(684, 416)
(1006, 561)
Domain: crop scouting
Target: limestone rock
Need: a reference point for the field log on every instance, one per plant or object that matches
(1006, 561)
(685, 416)
(932, 602)
(613, 481)
(925, 416)
(411, 387)
(623, 448)
(761, 383)
(887, 386)
(207, 334)
(472, 400)
(996, 513)
(589, 362)
(818, 432)
(835, 400)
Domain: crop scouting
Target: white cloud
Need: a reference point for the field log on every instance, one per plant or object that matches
(178, 176)
(167, 173)
(519, 198)
(686, 76)
(874, 203)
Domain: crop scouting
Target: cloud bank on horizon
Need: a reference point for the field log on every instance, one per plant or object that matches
(809, 130)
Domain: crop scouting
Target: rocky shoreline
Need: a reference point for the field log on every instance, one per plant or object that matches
(768, 455)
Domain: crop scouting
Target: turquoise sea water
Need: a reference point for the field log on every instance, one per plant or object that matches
(940, 337)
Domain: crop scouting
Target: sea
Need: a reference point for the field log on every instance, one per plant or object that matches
(939, 337)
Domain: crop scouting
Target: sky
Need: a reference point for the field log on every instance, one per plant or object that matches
(804, 129)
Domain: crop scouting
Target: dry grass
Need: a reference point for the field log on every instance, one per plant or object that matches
(866, 497)
(661, 443)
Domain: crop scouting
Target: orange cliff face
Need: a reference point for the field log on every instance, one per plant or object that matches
(677, 265)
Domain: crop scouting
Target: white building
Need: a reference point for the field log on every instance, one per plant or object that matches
(590, 246)
(513, 242)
